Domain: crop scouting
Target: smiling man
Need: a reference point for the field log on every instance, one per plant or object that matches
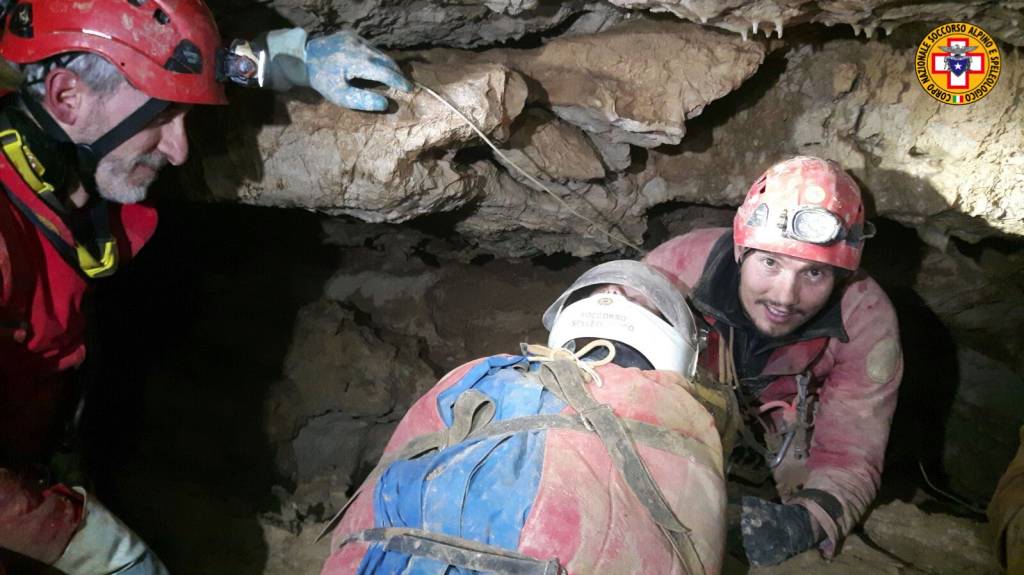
(811, 345)
(780, 293)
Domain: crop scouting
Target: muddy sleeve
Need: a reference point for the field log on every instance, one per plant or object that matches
(286, 58)
(857, 401)
(35, 522)
(683, 257)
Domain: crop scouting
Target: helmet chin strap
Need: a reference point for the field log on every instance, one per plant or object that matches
(88, 156)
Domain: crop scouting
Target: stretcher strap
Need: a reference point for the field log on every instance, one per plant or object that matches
(473, 411)
(563, 379)
(456, 551)
(473, 419)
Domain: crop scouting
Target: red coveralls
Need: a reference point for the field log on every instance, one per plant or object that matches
(856, 380)
(42, 337)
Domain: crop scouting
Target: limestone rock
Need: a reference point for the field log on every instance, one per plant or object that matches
(336, 365)
(512, 218)
(986, 405)
(405, 23)
(464, 311)
(395, 24)
(551, 149)
(616, 156)
(963, 351)
(640, 82)
(378, 167)
(644, 83)
(394, 167)
(332, 453)
(509, 313)
(1001, 19)
(291, 553)
(510, 7)
(329, 441)
(933, 543)
(921, 162)
(326, 347)
(399, 293)
(978, 301)
(856, 558)
(631, 83)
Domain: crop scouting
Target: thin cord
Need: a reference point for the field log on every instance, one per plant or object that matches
(954, 498)
(532, 180)
(542, 353)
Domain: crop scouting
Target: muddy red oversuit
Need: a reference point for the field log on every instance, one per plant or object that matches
(850, 349)
(42, 338)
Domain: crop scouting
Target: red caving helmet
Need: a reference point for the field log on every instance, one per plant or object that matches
(166, 48)
(807, 208)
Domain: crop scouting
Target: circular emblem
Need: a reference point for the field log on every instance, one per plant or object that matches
(957, 63)
(605, 301)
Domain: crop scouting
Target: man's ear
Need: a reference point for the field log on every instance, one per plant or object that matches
(66, 96)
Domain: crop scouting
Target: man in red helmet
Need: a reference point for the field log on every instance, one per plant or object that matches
(810, 345)
(106, 86)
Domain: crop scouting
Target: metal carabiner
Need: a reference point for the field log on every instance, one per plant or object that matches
(802, 386)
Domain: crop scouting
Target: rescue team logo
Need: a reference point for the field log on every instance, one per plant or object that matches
(957, 63)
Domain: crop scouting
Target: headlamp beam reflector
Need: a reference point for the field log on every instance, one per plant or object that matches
(815, 226)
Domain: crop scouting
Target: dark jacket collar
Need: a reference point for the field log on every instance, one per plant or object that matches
(717, 295)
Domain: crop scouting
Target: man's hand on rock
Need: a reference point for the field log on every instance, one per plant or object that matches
(334, 60)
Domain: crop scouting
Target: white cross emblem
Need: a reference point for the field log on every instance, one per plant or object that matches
(956, 76)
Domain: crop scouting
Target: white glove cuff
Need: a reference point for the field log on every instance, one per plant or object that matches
(102, 545)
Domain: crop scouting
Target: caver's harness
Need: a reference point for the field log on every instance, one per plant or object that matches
(90, 248)
(86, 245)
(562, 374)
(797, 416)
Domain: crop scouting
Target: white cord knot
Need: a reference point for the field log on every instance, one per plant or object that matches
(543, 353)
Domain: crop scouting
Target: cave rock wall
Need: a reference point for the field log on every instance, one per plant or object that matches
(617, 112)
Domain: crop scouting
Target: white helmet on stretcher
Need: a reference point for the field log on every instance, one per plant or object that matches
(668, 342)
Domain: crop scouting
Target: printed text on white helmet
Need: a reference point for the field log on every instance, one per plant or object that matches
(614, 317)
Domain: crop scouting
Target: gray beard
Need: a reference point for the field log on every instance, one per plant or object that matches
(111, 178)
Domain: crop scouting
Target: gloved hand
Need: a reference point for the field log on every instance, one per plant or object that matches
(327, 63)
(333, 60)
(772, 533)
(105, 546)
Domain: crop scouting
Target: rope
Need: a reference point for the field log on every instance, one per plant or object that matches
(950, 496)
(543, 353)
(727, 361)
(531, 179)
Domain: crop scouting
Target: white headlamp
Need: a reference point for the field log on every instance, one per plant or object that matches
(614, 317)
(815, 226)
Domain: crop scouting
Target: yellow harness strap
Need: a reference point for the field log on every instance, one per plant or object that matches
(31, 171)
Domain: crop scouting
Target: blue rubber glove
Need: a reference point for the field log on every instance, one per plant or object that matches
(327, 64)
(333, 60)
